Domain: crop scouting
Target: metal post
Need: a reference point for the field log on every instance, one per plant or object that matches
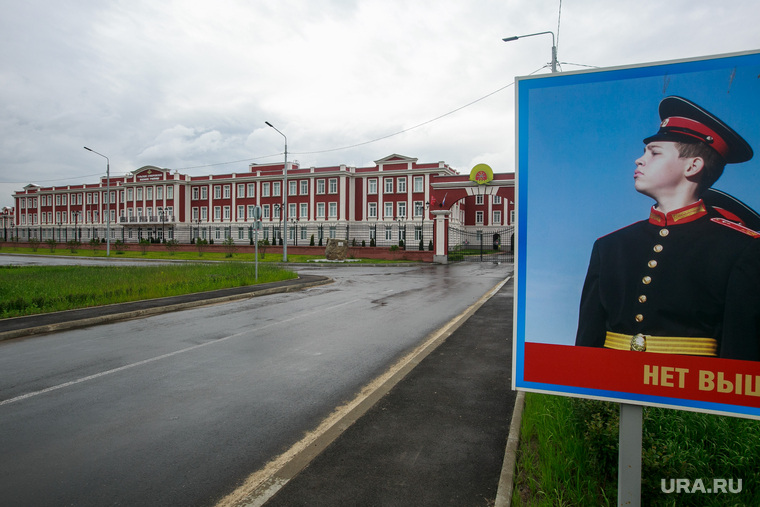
(629, 457)
(554, 46)
(284, 214)
(108, 200)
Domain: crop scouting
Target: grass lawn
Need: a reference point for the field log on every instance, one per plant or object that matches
(208, 254)
(569, 450)
(28, 290)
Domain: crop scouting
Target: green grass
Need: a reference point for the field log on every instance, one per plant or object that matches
(569, 450)
(215, 254)
(28, 290)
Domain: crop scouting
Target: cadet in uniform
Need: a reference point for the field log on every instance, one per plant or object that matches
(687, 280)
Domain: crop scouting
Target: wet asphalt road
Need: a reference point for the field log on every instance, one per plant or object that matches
(178, 409)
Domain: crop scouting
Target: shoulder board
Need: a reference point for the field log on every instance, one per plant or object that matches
(736, 227)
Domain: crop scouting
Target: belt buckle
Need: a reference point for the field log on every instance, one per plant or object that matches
(639, 343)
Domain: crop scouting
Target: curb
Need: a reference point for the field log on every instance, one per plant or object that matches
(507, 479)
(159, 308)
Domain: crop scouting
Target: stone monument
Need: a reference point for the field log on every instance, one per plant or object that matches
(337, 249)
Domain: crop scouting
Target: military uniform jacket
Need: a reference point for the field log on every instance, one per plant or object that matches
(691, 273)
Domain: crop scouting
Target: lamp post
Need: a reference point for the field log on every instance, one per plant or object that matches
(284, 196)
(554, 47)
(108, 200)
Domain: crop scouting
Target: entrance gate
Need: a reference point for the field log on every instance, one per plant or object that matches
(476, 245)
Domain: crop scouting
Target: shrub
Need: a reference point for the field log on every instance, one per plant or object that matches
(34, 243)
(364, 243)
(51, 244)
(372, 242)
(94, 244)
(119, 246)
(311, 243)
(200, 244)
(144, 243)
(73, 245)
(229, 246)
(172, 245)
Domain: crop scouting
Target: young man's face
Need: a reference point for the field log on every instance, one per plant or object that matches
(660, 170)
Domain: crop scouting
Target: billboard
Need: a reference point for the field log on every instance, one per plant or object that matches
(674, 289)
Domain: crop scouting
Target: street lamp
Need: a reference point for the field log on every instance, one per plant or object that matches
(108, 200)
(284, 196)
(554, 47)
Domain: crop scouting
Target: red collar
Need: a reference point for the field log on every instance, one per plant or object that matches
(680, 216)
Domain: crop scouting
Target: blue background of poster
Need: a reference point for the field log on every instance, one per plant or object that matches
(578, 137)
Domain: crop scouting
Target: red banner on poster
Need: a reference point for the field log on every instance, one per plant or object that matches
(705, 379)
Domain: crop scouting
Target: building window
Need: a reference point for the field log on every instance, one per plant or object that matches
(333, 186)
(497, 199)
(276, 189)
(292, 188)
(251, 190)
(217, 212)
(388, 185)
(265, 189)
(479, 199)
(240, 213)
(372, 186)
(170, 192)
(401, 206)
(63, 199)
(388, 232)
(333, 210)
(149, 193)
(304, 187)
(401, 185)
(320, 186)
(497, 218)
(195, 214)
(204, 213)
(418, 208)
(204, 193)
(372, 210)
(241, 190)
(250, 211)
(58, 200)
(292, 210)
(195, 193)
(89, 198)
(388, 210)
(304, 211)
(226, 212)
(159, 192)
(320, 210)
(217, 191)
(265, 211)
(478, 217)
(276, 211)
(419, 183)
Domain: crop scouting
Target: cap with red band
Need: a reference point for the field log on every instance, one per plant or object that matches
(685, 121)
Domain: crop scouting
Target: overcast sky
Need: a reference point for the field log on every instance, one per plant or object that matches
(188, 85)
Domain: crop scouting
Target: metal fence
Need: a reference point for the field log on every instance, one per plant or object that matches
(481, 244)
(407, 235)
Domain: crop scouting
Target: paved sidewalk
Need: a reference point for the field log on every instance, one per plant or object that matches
(437, 438)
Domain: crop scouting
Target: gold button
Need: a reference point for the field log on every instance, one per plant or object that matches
(639, 318)
(664, 232)
(652, 264)
(657, 248)
(642, 298)
(646, 280)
